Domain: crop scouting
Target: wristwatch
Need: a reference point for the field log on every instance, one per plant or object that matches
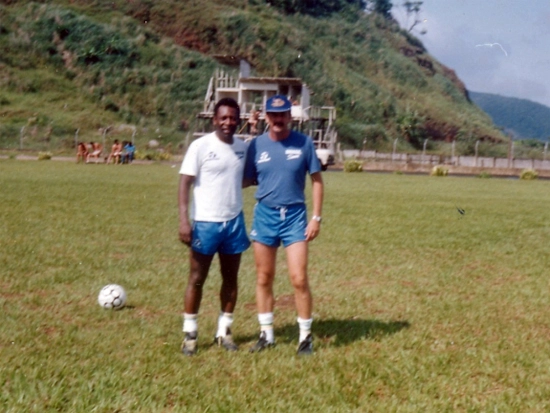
(317, 218)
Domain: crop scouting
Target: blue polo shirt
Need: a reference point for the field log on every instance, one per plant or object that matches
(280, 168)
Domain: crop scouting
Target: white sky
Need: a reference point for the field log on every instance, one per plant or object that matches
(459, 34)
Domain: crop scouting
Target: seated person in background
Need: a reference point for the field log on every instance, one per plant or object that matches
(116, 151)
(123, 153)
(81, 152)
(128, 152)
(96, 151)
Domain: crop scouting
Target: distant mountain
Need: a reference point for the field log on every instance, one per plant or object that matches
(523, 118)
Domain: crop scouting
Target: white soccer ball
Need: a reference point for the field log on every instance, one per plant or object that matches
(112, 296)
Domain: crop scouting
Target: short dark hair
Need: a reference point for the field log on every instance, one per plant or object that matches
(229, 102)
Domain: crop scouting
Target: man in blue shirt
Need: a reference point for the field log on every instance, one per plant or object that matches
(278, 162)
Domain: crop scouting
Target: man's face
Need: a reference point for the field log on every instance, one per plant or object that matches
(278, 121)
(226, 121)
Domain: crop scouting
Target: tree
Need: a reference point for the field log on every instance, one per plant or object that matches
(317, 8)
(382, 7)
(413, 9)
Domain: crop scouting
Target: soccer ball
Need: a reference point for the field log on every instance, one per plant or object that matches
(112, 296)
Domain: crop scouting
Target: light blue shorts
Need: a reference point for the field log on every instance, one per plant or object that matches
(227, 237)
(271, 226)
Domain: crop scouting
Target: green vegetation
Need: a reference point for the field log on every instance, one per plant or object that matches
(44, 156)
(520, 117)
(91, 67)
(319, 7)
(485, 175)
(417, 307)
(353, 165)
(529, 175)
(439, 170)
(66, 71)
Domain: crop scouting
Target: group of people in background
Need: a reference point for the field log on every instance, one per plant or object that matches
(215, 169)
(121, 152)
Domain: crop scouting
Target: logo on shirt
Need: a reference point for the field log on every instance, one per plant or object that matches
(240, 154)
(264, 157)
(212, 156)
(293, 154)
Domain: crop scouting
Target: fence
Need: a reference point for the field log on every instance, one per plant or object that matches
(431, 160)
(50, 138)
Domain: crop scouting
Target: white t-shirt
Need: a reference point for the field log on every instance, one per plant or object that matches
(218, 171)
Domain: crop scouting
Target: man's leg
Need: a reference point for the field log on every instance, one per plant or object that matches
(297, 255)
(229, 265)
(265, 258)
(199, 266)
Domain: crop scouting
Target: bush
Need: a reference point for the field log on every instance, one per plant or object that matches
(153, 155)
(529, 174)
(44, 156)
(353, 165)
(485, 174)
(439, 170)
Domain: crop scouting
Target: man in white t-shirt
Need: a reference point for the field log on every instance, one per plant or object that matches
(213, 166)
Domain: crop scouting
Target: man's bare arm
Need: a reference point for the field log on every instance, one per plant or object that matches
(186, 181)
(314, 227)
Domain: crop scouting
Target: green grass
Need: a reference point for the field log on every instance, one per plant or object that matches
(417, 307)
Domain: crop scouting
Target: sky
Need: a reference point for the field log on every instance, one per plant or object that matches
(494, 46)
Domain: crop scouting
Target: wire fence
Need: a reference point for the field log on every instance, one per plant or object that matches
(513, 154)
(33, 138)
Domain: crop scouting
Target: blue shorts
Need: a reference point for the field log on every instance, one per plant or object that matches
(271, 226)
(227, 237)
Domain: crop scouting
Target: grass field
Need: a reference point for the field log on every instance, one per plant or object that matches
(417, 307)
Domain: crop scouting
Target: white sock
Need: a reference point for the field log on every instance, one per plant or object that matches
(190, 323)
(305, 327)
(266, 326)
(225, 320)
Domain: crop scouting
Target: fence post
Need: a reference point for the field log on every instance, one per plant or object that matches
(424, 149)
(21, 138)
(76, 138)
(394, 149)
(453, 152)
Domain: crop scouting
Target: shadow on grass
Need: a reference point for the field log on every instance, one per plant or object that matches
(342, 332)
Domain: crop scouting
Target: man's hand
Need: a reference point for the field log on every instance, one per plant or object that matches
(313, 229)
(185, 233)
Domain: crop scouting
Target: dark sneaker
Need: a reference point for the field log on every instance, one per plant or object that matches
(189, 345)
(226, 341)
(305, 348)
(261, 344)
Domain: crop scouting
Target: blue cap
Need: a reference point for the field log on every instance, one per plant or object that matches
(278, 103)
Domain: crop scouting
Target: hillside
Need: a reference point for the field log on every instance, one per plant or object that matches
(94, 66)
(522, 118)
